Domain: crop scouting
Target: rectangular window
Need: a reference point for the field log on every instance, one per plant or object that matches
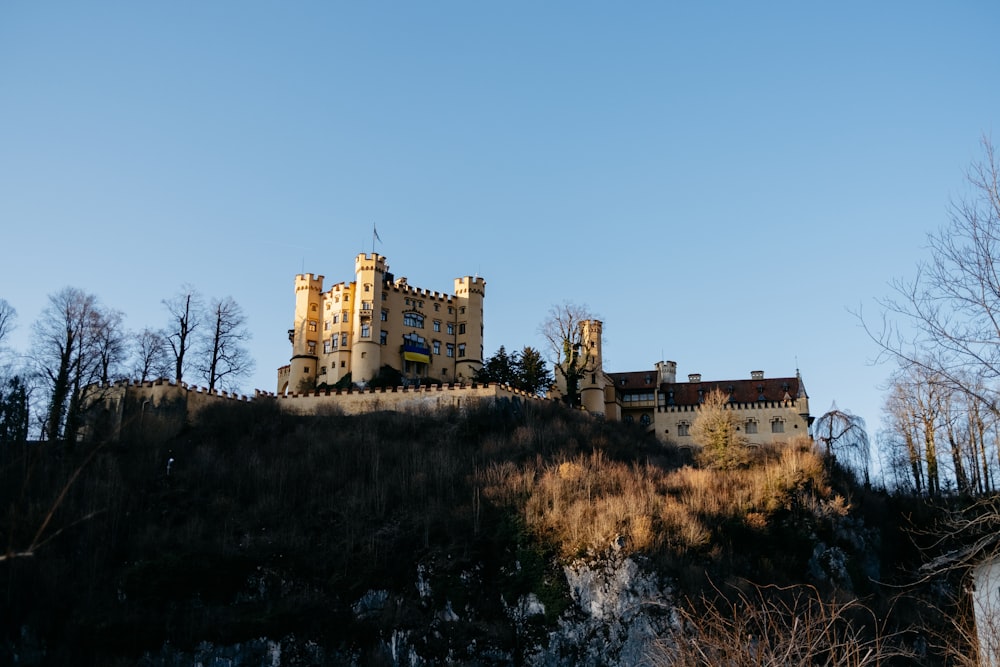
(343, 340)
(336, 318)
(366, 305)
(334, 342)
(461, 328)
(385, 316)
(343, 364)
(461, 349)
(366, 330)
(413, 320)
(451, 329)
(751, 427)
(451, 350)
(437, 325)
(462, 310)
(437, 347)
(383, 337)
(326, 325)
(682, 429)
(312, 347)
(313, 325)
(777, 426)
(437, 306)
(327, 347)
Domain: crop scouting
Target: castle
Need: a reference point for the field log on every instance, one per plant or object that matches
(349, 332)
(343, 338)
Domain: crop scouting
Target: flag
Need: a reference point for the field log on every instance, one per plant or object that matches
(375, 232)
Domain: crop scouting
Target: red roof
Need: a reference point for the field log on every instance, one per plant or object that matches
(690, 393)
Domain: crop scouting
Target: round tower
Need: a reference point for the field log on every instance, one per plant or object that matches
(469, 292)
(366, 351)
(305, 333)
(593, 381)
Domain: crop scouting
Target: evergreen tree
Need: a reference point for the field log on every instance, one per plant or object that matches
(14, 411)
(501, 368)
(533, 376)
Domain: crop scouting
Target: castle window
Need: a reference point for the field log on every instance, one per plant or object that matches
(312, 307)
(644, 420)
(327, 347)
(313, 325)
(343, 364)
(461, 349)
(451, 329)
(413, 320)
(343, 340)
(450, 310)
(683, 428)
(462, 310)
(385, 316)
(326, 325)
(778, 426)
(366, 330)
(366, 305)
(629, 419)
(437, 306)
(368, 287)
(336, 318)
(437, 346)
(333, 342)
(437, 325)
(312, 347)
(751, 426)
(383, 337)
(322, 370)
(461, 328)
(450, 350)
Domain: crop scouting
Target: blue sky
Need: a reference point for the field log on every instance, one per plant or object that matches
(722, 183)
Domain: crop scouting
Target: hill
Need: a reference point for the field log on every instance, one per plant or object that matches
(496, 535)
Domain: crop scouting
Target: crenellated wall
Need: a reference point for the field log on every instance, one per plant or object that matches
(159, 410)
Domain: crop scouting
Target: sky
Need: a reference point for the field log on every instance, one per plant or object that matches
(724, 184)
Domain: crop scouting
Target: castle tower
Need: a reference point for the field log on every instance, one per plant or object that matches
(593, 382)
(305, 334)
(469, 294)
(366, 352)
(667, 372)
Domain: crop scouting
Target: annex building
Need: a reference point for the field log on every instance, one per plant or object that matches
(768, 410)
(355, 328)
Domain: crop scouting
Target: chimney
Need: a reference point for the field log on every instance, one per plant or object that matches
(694, 377)
(756, 375)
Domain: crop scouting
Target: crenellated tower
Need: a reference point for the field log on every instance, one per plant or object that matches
(593, 381)
(469, 294)
(305, 334)
(366, 352)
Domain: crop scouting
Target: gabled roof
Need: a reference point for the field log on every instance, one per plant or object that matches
(690, 393)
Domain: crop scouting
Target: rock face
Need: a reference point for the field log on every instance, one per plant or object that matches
(619, 611)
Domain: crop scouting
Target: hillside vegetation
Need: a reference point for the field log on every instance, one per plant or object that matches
(257, 524)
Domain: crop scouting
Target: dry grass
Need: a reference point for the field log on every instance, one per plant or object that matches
(586, 502)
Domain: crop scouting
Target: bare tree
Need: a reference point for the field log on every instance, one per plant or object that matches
(110, 344)
(150, 355)
(223, 358)
(7, 317)
(953, 303)
(770, 625)
(66, 353)
(844, 435)
(186, 316)
(571, 360)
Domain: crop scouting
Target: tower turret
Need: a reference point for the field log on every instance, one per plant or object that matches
(469, 294)
(305, 333)
(593, 381)
(366, 353)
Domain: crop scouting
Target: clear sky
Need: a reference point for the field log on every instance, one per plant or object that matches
(722, 183)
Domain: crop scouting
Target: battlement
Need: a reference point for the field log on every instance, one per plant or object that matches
(470, 285)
